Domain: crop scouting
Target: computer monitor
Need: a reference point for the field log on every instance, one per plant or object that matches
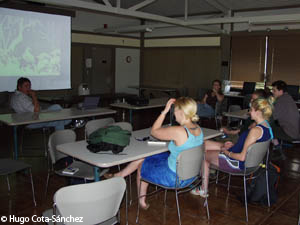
(89, 102)
(248, 88)
(293, 91)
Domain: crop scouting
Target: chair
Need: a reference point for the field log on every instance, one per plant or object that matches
(95, 203)
(256, 154)
(219, 113)
(85, 171)
(233, 108)
(188, 165)
(93, 125)
(9, 166)
(45, 131)
(201, 93)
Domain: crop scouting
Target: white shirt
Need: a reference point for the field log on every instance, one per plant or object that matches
(21, 102)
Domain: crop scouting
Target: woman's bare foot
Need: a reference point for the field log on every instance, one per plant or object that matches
(144, 205)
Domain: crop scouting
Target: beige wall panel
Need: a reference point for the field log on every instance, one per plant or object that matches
(189, 68)
(77, 71)
(184, 42)
(162, 68)
(247, 60)
(201, 67)
(104, 40)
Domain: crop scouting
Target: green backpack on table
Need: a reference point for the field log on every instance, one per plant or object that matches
(108, 138)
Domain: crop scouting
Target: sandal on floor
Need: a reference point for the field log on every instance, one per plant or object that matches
(200, 192)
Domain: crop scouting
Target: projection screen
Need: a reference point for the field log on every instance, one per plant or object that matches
(37, 46)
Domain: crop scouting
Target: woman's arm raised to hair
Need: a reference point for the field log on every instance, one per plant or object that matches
(164, 133)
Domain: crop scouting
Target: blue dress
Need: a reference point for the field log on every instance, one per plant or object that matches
(161, 168)
(230, 164)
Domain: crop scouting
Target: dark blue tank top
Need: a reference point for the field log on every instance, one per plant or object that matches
(238, 147)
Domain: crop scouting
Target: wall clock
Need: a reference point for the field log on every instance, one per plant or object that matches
(128, 59)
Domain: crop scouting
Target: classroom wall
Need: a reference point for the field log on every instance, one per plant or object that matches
(127, 70)
(185, 63)
(185, 67)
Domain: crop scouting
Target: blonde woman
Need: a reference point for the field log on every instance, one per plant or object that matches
(231, 157)
(161, 168)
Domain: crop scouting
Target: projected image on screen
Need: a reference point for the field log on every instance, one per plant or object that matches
(37, 46)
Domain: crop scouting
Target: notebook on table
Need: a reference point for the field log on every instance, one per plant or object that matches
(89, 102)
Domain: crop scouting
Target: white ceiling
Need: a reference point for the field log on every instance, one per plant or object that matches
(192, 16)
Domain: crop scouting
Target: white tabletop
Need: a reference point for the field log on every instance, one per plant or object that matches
(15, 119)
(153, 103)
(241, 114)
(153, 88)
(136, 149)
(233, 95)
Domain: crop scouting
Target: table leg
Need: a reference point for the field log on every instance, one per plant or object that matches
(96, 173)
(123, 115)
(130, 116)
(15, 143)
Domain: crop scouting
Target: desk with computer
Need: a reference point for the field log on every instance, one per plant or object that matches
(237, 97)
(240, 97)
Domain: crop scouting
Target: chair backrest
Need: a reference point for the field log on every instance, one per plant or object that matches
(93, 125)
(219, 108)
(189, 162)
(201, 93)
(256, 153)
(233, 108)
(123, 125)
(94, 202)
(57, 138)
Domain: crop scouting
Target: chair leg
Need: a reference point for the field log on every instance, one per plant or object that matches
(45, 140)
(245, 194)
(207, 210)
(217, 179)
(32, 187)
(21, 140)
(165, 199)
(228, 185)
(47, 183)
(138, 204)
(8, 185)
(178, 210)
(268, 193)
(126, 207)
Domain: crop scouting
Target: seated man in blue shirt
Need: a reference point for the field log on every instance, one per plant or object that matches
(25, 100)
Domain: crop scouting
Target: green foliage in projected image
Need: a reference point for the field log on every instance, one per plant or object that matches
(22, 55)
